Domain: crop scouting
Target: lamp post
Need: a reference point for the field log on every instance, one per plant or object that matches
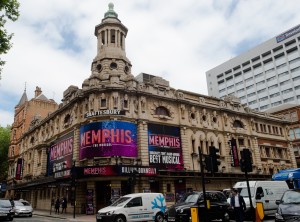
(73, 177)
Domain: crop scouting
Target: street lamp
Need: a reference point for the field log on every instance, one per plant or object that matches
(73, 185)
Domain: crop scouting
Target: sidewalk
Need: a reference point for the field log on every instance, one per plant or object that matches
(68, 216)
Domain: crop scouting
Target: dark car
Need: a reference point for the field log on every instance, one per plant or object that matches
(288, 206)
(181, 211)
(6, 210)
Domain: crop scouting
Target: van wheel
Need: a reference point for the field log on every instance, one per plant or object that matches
(120, 219)
(159, 217)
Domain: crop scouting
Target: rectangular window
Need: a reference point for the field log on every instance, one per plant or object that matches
(251, 94)
(276, 103)
(260, 83)
(270, 79)
(252, 102)
(264, 107)
(261, 91)
(239, 83)
(287, 91)
(269, 70)
(230, 87)
(281, 66)
(283, 74)
(285, 82)
(249, 79)
(273, 87)
(288, 99)
(263, 99)
(295, 69)
(250, 87)
(258, 75)
(274, 95)
(296, 78)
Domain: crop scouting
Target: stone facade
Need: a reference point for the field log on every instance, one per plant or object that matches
(181, 123)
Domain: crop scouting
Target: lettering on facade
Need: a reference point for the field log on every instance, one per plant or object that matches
(104, 137)
(288, 34)
(104, 112)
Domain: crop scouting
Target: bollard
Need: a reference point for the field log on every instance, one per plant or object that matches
(194, 214)
(259, 215)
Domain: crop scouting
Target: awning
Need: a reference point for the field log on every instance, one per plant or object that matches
(290, 174)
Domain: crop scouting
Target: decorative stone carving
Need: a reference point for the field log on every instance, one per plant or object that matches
(201, 100)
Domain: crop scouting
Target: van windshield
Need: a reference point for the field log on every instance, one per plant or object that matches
(120, 201)
(244, 192)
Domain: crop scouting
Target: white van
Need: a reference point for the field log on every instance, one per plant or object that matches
(135, 207)
(266, 192)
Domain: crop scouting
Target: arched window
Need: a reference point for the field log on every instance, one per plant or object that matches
(162, 111)
(238, 124)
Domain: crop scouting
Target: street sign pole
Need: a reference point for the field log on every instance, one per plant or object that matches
(203, 185)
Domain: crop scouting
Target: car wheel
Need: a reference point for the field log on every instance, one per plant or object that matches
(11, 218)
(159, 217)
(226, 217)
(30, 215)
(120, 219)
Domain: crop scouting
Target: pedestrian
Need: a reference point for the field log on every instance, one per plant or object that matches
(64, 205)
(57, 205)
(237, 202)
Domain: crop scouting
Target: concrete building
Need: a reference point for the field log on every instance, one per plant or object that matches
(263, 77)
(120, 134)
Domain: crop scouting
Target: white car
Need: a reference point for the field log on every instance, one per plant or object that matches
(22, 208)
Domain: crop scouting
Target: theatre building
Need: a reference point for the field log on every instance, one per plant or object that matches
(121, 133)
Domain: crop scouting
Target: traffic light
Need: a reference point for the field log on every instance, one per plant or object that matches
(208, 163)
(73, 175)
(246, 160)
(215, 158)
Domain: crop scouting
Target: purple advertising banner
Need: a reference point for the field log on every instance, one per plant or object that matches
(164, 144)
(19, 169)
(108, 138)
(61, 156)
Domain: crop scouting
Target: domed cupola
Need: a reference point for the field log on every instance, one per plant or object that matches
(111, 64)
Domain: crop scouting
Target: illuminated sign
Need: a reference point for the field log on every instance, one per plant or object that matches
(108, 138)
(61, 156)
(164, 146)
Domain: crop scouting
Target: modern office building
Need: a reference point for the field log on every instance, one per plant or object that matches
(263, 77)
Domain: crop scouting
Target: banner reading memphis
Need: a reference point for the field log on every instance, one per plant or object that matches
(108, 138)
(164, 144)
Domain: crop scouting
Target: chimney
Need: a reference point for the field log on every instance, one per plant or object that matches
(37, 91)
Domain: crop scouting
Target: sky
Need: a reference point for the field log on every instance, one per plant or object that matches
(54, 42)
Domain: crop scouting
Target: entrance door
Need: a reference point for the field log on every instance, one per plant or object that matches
(154, 187)
(103, 194)
(180, 189)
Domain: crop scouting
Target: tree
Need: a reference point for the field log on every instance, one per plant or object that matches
(9, 9)
(4, 144)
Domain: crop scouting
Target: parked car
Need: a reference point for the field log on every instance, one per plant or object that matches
(288, 206)
(134, 207)
(22, 208)
(6, 210)
(219, 208)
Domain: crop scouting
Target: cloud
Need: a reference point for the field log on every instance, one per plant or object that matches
(54, 42)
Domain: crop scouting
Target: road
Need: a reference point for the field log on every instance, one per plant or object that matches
(36, 218)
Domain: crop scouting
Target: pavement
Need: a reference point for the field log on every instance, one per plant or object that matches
(67, 216)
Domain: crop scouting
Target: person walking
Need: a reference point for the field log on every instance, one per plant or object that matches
(57, 205)
(237, 202)
(64, 205)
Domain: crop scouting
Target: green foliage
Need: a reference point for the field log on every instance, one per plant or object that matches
(4, 144)
(9, 9)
